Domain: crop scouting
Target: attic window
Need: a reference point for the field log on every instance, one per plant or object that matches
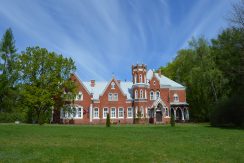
(112, 85)
(154, 82)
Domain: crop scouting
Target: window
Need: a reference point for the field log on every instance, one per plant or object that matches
(135, 78)
(151, 95)
(176, 98)
(79, 112)
(121, 113)
(112, 85)
(136, 94)
(129, 113)
(145, 94)
(166, 112)
(140, 78)
(113, 113)
(95, 113)
(79, 96)
(110, 97)
(141, 94)
(73, 112)
(105, 112)
(154, 82)
(157, 94)
(115, 97)
(145, 79)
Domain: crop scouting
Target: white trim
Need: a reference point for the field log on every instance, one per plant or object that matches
(131, 113)
(94, 113)
(122, 112)
(111, 108)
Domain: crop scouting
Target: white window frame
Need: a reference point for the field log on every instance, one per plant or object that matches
(119, 111)
(157, 94)
(141, 94)
(110, 97)
(112, 85)
(77, 96)
(111, 112)
(176, 98)
(136, 94)
(142, 111)
(151, 95)
(135, 78)
(130, 113)
(117, 98)
(96, 113)
(140, 78)
(105, 113)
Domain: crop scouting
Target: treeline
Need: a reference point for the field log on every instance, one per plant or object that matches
(33, 82)
(213, 73)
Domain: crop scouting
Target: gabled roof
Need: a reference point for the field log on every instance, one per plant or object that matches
(164, 80)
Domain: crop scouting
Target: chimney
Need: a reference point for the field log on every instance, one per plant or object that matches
(159, 72)
(92, 83)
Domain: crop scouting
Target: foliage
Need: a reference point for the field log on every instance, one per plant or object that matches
(6, 117)
(44, 78)
(172, 119)
(108, 120)
(8, 73)
(237, 15)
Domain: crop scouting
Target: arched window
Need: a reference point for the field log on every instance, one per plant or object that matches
(112, 85)
(140, 78)
(176, 98)
(142, 111)
(157, 94)
(145, 94)
(79, 96)
(135, 77)
(166, 112)
(136, 94)
(151, 95)
(141, 94)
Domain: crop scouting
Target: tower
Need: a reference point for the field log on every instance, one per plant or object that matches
(140, 89)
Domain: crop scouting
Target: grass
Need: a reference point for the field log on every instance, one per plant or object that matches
(59, 143)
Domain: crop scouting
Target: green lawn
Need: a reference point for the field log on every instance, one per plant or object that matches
(58, 143)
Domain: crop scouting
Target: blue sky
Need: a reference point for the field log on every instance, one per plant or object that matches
(106, 37)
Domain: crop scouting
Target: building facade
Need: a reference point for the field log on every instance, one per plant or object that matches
(149, 98)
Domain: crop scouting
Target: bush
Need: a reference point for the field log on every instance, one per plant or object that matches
(12, 117)
(172, 119)
(108, 120)
(229, 112)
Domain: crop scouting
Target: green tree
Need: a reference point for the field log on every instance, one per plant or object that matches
(8, 72)
(45, 76)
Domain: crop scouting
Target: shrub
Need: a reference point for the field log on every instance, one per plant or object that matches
(108, 120)
(229, 112)
(12, 117)
(172, 119)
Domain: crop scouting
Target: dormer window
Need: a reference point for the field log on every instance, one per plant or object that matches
(176, 98)
(112, 85)
(79, 96)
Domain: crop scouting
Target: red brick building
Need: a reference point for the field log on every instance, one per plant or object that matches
(149, 98)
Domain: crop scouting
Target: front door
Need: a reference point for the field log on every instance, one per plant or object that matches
(159, 116)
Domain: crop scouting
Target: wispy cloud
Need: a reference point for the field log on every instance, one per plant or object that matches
(105, 37)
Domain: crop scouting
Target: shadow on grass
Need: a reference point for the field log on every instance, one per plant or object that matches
(227, 127)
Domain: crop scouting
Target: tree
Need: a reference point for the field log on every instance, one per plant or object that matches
(237, 15)
(108, 120)
(45, 76)
(8, 72)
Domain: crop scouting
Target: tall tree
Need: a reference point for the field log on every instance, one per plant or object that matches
(237, 15)
(8, 72)
(44, 76)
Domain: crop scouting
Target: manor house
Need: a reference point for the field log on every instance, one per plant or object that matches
(149, 98)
